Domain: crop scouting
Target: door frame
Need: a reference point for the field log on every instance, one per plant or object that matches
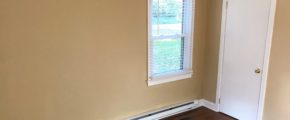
(266, 57)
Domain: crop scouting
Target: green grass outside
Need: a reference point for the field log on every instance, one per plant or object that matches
(167, 55)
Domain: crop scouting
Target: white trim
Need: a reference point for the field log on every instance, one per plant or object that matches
(168, 78)
(266, 58)
(189, 31)
(208, 104)
(149, 50)
(221, 51)
(166, 111)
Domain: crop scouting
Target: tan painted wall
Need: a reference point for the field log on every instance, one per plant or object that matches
(278, 90)
(209, 82)
(84, 60)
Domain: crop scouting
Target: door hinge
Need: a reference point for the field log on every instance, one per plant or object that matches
(219, 101)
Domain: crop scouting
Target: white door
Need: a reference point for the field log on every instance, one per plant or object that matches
(245, 37)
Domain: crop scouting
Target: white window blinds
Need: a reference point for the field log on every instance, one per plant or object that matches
(169, 37)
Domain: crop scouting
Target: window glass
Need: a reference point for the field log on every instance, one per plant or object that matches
(167, 17)
(170, 40)
(168, 55)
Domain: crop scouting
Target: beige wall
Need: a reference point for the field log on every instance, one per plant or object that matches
(60, 60)
(209, 82)
(84, 60)
(278, 90)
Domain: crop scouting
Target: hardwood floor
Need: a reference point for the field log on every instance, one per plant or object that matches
(201, 113)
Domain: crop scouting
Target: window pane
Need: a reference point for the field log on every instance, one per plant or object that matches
(167, 17)
(167, 55)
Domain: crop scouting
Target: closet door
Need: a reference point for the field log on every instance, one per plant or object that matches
(246, 30)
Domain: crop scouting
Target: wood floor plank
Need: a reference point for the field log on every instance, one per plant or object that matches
(201, 113)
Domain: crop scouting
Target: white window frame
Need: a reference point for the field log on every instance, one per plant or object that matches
(188, 46)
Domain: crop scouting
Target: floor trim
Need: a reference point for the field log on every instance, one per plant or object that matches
(197, 104)
(208, 104)
(166, 111)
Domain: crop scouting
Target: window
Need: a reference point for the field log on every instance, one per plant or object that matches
(170, 40)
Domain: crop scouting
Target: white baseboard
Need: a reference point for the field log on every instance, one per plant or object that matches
(208, 104)
(164, 112)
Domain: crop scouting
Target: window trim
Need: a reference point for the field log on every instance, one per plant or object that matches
(188, 46)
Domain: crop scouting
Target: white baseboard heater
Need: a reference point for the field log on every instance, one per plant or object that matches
(167, 111)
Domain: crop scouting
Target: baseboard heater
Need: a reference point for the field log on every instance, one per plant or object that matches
(167, 111)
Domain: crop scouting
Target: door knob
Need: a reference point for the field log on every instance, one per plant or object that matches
(258, 71)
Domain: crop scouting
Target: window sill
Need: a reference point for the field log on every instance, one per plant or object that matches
(169, 78)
